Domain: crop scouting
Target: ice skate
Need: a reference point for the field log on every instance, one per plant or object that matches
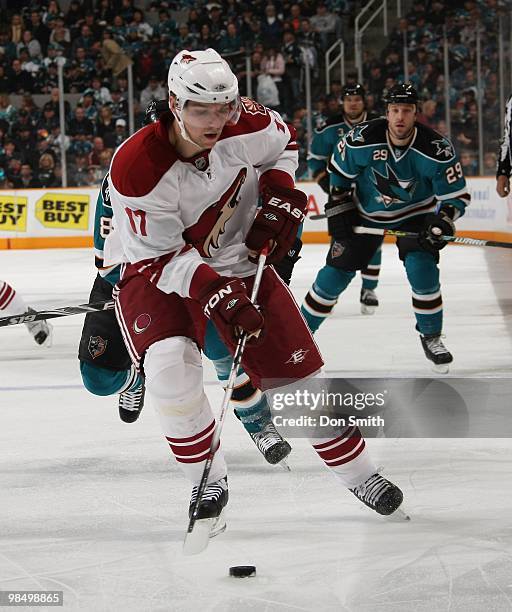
(436, 351)
(380, 495)
(131, 404)
(272, 445)
(41, 331)
(369, 301)
(210, 520)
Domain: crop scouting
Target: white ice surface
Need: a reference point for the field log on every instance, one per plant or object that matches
(97, 508)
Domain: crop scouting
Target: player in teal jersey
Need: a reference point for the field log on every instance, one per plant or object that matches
(406, 176)
(322, 147)
(106, 367)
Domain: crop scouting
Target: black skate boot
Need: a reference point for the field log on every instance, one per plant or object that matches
(369, 301)
(437, 352)
(379, 494)
(213, 502)
(271, 444)
(131, 403)
(41, 331)
(210, 519)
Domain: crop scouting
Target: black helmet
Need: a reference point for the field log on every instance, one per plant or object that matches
(402, 93)
(353, 90)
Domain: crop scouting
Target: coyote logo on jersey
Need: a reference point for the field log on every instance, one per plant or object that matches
(392, 189)
(205, 234)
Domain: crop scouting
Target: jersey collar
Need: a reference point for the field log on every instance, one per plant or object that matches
(391, 146)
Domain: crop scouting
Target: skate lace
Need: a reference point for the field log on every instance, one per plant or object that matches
(130, 400)
(436, 346)
(212, 492)
(371, 490)
(266, 438)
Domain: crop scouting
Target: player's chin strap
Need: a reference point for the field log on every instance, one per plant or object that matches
(65, 311)
(193, 545)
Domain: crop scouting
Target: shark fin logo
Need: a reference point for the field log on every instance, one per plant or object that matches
(392, 189)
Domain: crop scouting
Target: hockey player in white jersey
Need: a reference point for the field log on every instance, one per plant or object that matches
(11, 303)
(185, 195)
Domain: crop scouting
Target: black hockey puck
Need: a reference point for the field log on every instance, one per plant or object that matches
(242, 571)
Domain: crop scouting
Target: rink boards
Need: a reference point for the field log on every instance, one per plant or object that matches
(56, 218)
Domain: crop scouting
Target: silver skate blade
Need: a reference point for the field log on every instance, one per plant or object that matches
(441, 368)
(368, 310)
(398, 516)
(284, 465)
(196, 541)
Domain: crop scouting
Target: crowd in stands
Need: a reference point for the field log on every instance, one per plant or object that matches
(95, 41)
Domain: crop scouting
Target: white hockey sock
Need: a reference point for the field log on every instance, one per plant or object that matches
(346, 457)
(11, 302)
(189, 436)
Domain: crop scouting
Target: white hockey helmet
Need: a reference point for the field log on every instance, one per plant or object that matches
(202, 76)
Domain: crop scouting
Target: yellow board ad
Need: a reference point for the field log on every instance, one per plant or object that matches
(13, 213)
(63, 211)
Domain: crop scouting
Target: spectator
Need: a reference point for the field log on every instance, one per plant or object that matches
(271, 26)
(185, 40)
(32, 45)
(46, 171)
(100, 92)
(118, 105)
(26, 179)
(206, 40)
(98, 146)
(328, 26)
(88, 104)
(490, 163)
(80, 126)
(120, 134)
(291, 78)
(105, 123)
(4, 80)
(20, 81)
(273, 64)
(230, 42)
(153, 91)
(49, 119)
(468, 163)
(39, 30)
(7, 111)
(80, 171)
(428, 114)
(16, 29)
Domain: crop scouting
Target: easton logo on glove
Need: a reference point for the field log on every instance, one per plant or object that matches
(290, 209)
(270, 216)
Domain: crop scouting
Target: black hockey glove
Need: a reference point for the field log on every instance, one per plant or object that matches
(341, 213)
(285, 267)
(436, 225)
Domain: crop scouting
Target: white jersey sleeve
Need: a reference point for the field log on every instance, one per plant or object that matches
(147, 224)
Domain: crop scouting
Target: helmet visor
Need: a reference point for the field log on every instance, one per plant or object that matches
(210, 115)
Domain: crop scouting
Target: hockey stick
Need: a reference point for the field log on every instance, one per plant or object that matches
(66, 311)
(197, 540)
(455, 239)
(468, 241)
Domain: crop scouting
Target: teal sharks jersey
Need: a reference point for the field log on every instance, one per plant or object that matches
(102, 227)
(325, 140)
(394, 184)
